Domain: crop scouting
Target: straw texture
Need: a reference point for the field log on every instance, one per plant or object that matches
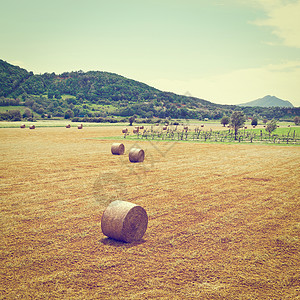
(136, 155)
(117, 149)
(124, 221)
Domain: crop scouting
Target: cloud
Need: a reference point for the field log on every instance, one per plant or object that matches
(283, 18)
(281, 80)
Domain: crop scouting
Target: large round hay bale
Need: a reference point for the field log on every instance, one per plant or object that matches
(32, 127)
(23, 126)
(68, 126)
(136, 155)
(124, 221)
(117, 149)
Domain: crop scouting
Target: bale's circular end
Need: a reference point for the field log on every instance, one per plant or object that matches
(117, 149)
(136, 155)
(124, 221)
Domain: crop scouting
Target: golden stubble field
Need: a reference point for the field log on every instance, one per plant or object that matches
(223, 219)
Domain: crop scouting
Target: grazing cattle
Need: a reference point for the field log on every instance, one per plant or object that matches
(125, 130)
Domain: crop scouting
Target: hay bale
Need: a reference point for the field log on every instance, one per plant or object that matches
(32, 127)
(141, 127)
(202, 125)
(22, 126)
(136, 155)
(68, 126)
(165, 128)
(124, 221)
(80, 126)
(117, 149)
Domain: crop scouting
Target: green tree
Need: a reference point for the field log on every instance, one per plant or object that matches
(27, 113)
(237, 120)
(297, 120)
(225, 120)
(254, 121)
(131, 120)
(69, 114)
(271, 126)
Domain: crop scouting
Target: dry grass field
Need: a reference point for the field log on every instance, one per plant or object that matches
(224, 220)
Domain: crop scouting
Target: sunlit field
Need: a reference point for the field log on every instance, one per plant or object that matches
(223, 218)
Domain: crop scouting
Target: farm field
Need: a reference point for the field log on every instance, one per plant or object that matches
(223, 218)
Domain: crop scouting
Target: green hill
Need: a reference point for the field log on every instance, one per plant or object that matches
(97, 95)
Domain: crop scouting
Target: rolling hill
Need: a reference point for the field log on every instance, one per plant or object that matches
(268, 101)
(98, 94)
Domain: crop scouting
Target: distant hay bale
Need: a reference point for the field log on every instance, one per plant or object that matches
(32, 127)
(185, 128)
(141, 127)
(22, 126)
(68, 126)
(136, 155)
(202, 125)
(165, 128)
(80, 126)
(124, 221)
(117, 149)
(125, 130)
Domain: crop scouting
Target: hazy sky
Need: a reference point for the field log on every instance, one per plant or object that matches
(227, 52)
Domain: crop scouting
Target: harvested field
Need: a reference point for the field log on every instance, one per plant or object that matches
(223, 219)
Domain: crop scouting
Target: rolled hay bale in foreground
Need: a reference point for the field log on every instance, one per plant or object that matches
(136, 155)
(23, 126)
(68, 126)
(117, 149)
(32, 127)
(124, 221)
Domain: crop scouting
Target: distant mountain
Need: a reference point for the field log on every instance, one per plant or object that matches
(268, 101)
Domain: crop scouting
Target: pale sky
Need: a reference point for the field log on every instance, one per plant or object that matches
(226, 52)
